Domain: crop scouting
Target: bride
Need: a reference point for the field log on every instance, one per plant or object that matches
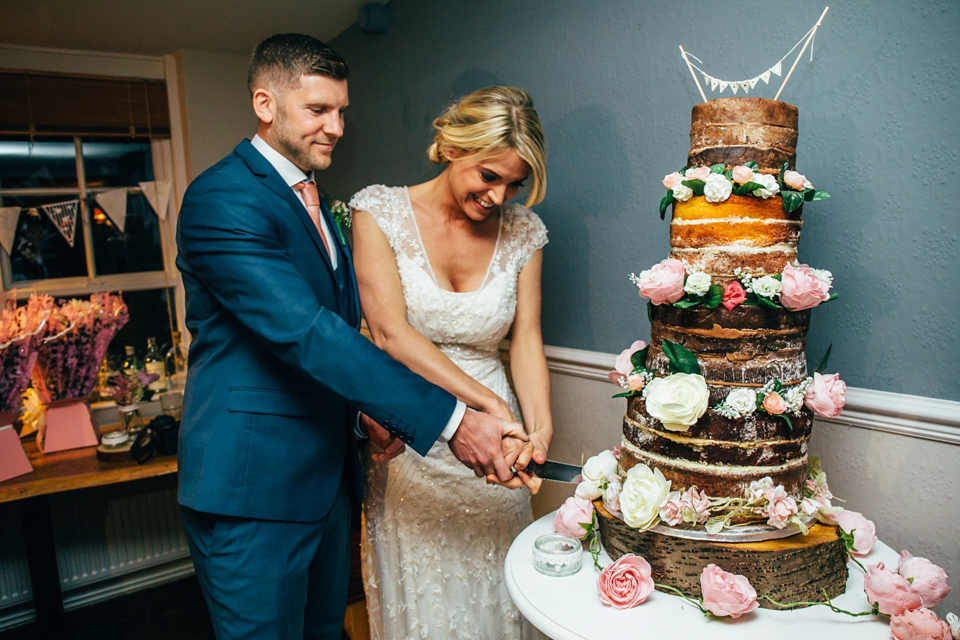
(447, 269)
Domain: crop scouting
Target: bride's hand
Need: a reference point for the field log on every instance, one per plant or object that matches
(536, 450)
(512, 449)
(496, 406)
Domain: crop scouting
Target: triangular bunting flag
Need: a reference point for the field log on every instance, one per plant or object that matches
(734, 86)
(745, 85)
(723, 85)
(753, 81)
(158, 195)
(64, 218)
(114, 203)
(8, 227)
(713, 84)
(706, 78)
(775, 69)
(765, 76)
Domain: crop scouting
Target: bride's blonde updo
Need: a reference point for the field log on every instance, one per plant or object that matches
(490, 122)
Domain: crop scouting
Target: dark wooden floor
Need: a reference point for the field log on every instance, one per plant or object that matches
(174, 610)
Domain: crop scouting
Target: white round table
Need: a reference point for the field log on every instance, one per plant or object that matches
(569, 608)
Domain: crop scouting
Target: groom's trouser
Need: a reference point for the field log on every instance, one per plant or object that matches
(271, 580)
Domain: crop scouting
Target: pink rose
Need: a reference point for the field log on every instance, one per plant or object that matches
(663, 282)
(672, 510)
(670, 180)
(571, 515)
(699, 173)
(794, 179)
(780, 507)
(826, 395)
(726, 594)
(698, 503)
(890, 590)
(863, 530)
(636, 382)
(801, 289)
(611, 497)
(625, 583)
(925, 578)
(742, 174)
(919, 624)
(774, 404)
(623, 366)
(733, 294)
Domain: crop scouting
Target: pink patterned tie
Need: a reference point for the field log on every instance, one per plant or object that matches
(311, 198)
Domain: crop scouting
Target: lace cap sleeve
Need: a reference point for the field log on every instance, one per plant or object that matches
(527, 233)
(382, 203)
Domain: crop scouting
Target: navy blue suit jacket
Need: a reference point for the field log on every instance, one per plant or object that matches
(277, 368)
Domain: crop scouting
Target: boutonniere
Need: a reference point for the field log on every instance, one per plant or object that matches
(341, 214)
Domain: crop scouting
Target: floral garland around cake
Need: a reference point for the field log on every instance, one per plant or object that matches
(680, 399)
(796, 288)
(718, 182)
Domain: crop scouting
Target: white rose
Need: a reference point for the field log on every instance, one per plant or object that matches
(611, 495)
(823, 276)
(643, 493)
(717, 188)
(682, 192)
(794, 398)
(588, 491)
(766, 286)
(954, 623)
(599, 469)
(770, 185)
(697, 283)
(743, 401)
(677, 401)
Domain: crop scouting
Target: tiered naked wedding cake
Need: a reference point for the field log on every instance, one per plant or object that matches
(714, 464)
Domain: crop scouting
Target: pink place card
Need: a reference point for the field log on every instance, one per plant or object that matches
(13, 461)
(68, 426)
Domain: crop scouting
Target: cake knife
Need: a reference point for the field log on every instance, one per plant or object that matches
(556, 471)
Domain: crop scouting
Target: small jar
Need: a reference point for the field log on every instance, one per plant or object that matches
(556, 554)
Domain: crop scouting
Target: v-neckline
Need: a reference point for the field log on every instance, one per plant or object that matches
(426, 256)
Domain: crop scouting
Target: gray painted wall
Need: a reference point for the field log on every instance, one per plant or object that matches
(877, 130)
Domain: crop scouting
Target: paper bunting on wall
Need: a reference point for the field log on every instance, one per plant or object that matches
(8, 227)
(114, 204)
(158, 195)
(64, 218)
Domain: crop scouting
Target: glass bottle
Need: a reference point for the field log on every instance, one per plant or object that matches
(131, 363)
(175, 361)
(153, 363)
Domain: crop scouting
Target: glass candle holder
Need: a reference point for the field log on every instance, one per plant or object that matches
(556, 554)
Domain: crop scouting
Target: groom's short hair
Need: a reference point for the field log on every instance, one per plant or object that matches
(278, 62)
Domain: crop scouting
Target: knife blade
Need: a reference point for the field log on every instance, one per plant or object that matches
(556, 471)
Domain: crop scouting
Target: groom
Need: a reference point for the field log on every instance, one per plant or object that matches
(278, 370)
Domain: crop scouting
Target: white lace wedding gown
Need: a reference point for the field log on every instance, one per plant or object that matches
(435, 535)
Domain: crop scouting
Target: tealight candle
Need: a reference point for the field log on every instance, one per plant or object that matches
(556, 554)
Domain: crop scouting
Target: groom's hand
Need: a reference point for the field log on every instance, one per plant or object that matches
(477, 443)
(391, 446)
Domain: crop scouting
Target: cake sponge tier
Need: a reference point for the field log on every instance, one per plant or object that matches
(733, 131)
(751, 233)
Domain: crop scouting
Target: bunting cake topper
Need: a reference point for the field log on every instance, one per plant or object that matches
(735, 86)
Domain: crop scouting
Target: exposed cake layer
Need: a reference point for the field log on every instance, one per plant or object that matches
(719, 455)
(751, 233)
(748, 346)
(736, 130)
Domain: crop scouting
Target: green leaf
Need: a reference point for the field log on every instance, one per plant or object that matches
(822, 366)
(639, 358)
(686, 302)
(717, 168)
(714, 296)
(751, 300)
(681, 360)
(696, 185)
(813, 465)
(808, 194)
(792, 200)
(833, 296)
(751, 164)
(650, 312)
(777, 385)
(820, 194)
(625, 394)
(787, 418)
(728, 174)
(752, 186)
(666, 202)
(767, 302)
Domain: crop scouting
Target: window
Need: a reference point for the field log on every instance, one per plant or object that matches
(47, 161)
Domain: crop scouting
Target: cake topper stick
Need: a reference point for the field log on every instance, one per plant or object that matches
(799, 55)
(690, 66)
